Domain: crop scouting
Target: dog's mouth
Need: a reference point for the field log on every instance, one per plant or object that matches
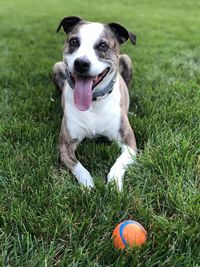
(96, 79)
(83, 87)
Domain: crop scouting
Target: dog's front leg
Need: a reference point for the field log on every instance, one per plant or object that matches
(128, 154)
(67, 147)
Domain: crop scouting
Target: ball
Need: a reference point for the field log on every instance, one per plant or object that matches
(129, 234)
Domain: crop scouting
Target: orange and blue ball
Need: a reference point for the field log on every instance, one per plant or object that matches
(129, 234)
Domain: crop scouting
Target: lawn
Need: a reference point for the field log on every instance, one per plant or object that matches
(46, 219)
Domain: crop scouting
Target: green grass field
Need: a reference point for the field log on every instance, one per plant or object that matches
(46, 219)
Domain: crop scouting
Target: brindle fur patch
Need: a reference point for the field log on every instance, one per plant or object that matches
(125, 68)
(112, 54)
(59, 76)
(67, 147)
(126, 132)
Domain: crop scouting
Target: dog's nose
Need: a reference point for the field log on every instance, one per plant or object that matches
(82, 64)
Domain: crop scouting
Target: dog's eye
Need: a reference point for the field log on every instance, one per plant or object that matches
(102, 47)
(74, 42)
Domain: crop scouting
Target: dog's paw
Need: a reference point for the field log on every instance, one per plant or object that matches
(116, 175)
(83, 176)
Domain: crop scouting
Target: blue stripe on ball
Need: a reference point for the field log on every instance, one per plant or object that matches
(121, 228)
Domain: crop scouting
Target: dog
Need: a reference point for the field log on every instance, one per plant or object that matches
(93, 78)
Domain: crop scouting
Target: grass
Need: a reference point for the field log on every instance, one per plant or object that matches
(46, 219)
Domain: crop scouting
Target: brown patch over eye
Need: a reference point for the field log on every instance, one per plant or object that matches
(102, 46)
(74, 41)
(73, 44)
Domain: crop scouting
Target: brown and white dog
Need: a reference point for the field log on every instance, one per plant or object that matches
(95, 98)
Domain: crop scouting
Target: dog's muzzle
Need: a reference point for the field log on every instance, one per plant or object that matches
(84, 85)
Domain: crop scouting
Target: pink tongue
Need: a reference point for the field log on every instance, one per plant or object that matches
(83, 93)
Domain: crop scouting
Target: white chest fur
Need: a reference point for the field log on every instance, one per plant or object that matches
(101, 119)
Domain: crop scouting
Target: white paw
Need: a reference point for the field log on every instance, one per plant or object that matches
(82, 175)
(116, 174)
(118, 169)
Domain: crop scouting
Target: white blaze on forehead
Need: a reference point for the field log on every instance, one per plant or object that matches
(89, 34)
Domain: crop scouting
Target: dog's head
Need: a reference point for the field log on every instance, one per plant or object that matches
(91, 54)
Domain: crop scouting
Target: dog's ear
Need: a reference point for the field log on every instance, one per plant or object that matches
(68, 23)
(121, 33)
